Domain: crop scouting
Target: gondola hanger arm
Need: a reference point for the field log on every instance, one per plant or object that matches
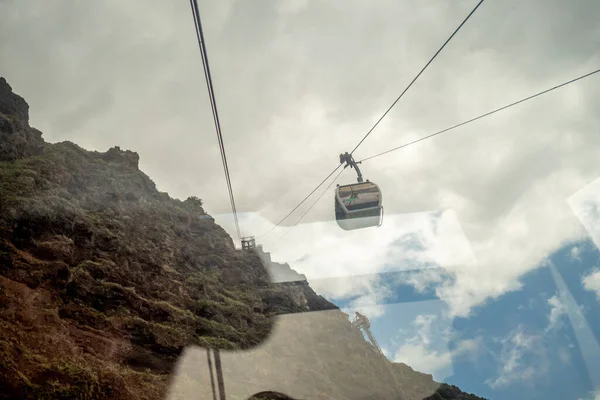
(349, 160)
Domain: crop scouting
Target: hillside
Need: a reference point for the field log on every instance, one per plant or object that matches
(105, 281)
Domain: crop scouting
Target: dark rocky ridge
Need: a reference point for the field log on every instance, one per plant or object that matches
(104, 280)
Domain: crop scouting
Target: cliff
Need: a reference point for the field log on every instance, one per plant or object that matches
(105, 281)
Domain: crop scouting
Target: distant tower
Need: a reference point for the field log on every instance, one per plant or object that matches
(248, 243)
(361, 322)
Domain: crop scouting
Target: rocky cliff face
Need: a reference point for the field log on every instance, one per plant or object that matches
(17, 138)
(104, 280)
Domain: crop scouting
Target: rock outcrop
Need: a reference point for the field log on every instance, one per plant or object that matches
(17, 138)
(104, 280)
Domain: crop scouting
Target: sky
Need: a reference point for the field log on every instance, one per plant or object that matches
(473, 213)
(541, 341)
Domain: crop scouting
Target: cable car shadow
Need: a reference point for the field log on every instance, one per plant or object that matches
(313, 355)
(309, 355)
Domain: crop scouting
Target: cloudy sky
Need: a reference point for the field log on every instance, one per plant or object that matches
(297, 82)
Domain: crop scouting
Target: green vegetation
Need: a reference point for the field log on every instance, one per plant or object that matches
(194, 203)
(16, 181)
(69, 381)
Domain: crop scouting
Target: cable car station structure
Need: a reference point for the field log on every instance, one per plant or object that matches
(248, 243)
(362, 323)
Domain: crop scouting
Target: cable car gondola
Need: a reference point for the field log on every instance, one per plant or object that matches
(357, 205)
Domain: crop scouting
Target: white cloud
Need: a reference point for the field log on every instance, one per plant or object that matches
(422, 350)
(595, 395)
(506, 253)
(564, 356)
(531, 302)
(558, 310)
(422, 359)
(575, 253)
(386, 353)
(522, 359)
(372, 298)
(585, 204)
(424, 279)
(591, 282)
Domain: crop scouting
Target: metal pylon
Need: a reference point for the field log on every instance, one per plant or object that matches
(362, 323)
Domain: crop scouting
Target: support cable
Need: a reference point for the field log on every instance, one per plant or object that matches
(418, 75)
(213, 103)
(483, 115)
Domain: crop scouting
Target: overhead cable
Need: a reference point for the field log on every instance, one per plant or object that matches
(213, 103)
(377, 123)
(312, 205)
(210, 370)
(302, 202)
(482, 116)
(418, 75)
